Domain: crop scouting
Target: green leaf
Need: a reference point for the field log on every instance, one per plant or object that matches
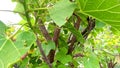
(2, 39)
(99, 24)
(2, 28)
(115, 31)
(107, 11)
(24, 63)
(63, 50)
(19, 8)
(91, 62)
(26, 37)
(11, 52)
(44, 65)
(8, 53)
(75, 32)
(61, 66)
(48, 47)
(62, 57)
(24, 40)
(61, 11)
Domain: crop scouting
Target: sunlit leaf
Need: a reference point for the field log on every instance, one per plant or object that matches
(2, 28)
(8, 53)
(107, 11)
(24, 40)
(12, 52)
(2, 39)
(91, 62)
(61, 11)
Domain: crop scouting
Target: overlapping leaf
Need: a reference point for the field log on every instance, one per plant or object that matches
(48, 47)
(107, 11)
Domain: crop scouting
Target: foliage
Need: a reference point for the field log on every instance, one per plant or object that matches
(62, 34)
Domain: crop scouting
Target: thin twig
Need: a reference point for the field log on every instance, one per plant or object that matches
(87, 30)
(37, 9)
(12, 11)
(11, 37)
(56, 35)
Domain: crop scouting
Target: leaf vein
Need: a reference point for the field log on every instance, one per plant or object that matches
(85, 4)
(100, 4)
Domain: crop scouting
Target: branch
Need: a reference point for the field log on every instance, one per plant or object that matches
(78, 55)
(87, 30)
(44, 30)
(73, 40)
(56, 35)
(43, 54)
(111, 64)
(55, 39)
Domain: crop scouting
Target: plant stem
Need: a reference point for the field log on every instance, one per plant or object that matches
(55, 39)
(27, 14)
(37, 9)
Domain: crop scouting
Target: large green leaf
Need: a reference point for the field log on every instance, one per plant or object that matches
(2, 28)
(107, 11)
(24, 40)
(61, 11)
(8, 53)
(26, 37)
(2, 39)
(91, 61)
